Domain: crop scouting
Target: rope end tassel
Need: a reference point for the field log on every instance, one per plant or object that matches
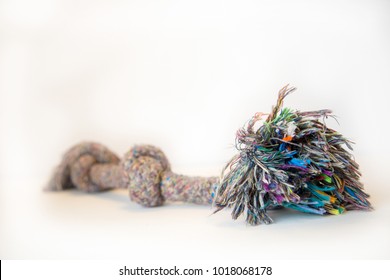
(292, 160)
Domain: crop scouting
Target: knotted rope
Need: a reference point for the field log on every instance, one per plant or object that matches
(144, 170)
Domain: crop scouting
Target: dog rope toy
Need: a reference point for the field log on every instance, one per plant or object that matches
(292, 160)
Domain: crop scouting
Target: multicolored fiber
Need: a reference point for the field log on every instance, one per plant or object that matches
(292, 160)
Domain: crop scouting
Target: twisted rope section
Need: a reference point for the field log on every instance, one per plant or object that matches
(144, 170)
(151, 181)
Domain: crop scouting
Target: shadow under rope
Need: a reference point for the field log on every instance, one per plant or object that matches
(121, 197)
(282, 216)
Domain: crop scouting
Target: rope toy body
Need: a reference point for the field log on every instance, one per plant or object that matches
(144, 170)
(292, 160)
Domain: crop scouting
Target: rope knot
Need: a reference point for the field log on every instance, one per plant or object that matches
(77, 166)
(144, 170)
(144, 166)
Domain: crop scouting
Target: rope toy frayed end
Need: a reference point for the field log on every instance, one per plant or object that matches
(292, 160)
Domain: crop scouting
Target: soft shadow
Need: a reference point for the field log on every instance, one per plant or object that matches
(281, 216)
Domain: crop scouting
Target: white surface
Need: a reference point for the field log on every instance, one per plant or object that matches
(183, 76)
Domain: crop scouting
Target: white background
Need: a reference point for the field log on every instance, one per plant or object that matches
(184, 76)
